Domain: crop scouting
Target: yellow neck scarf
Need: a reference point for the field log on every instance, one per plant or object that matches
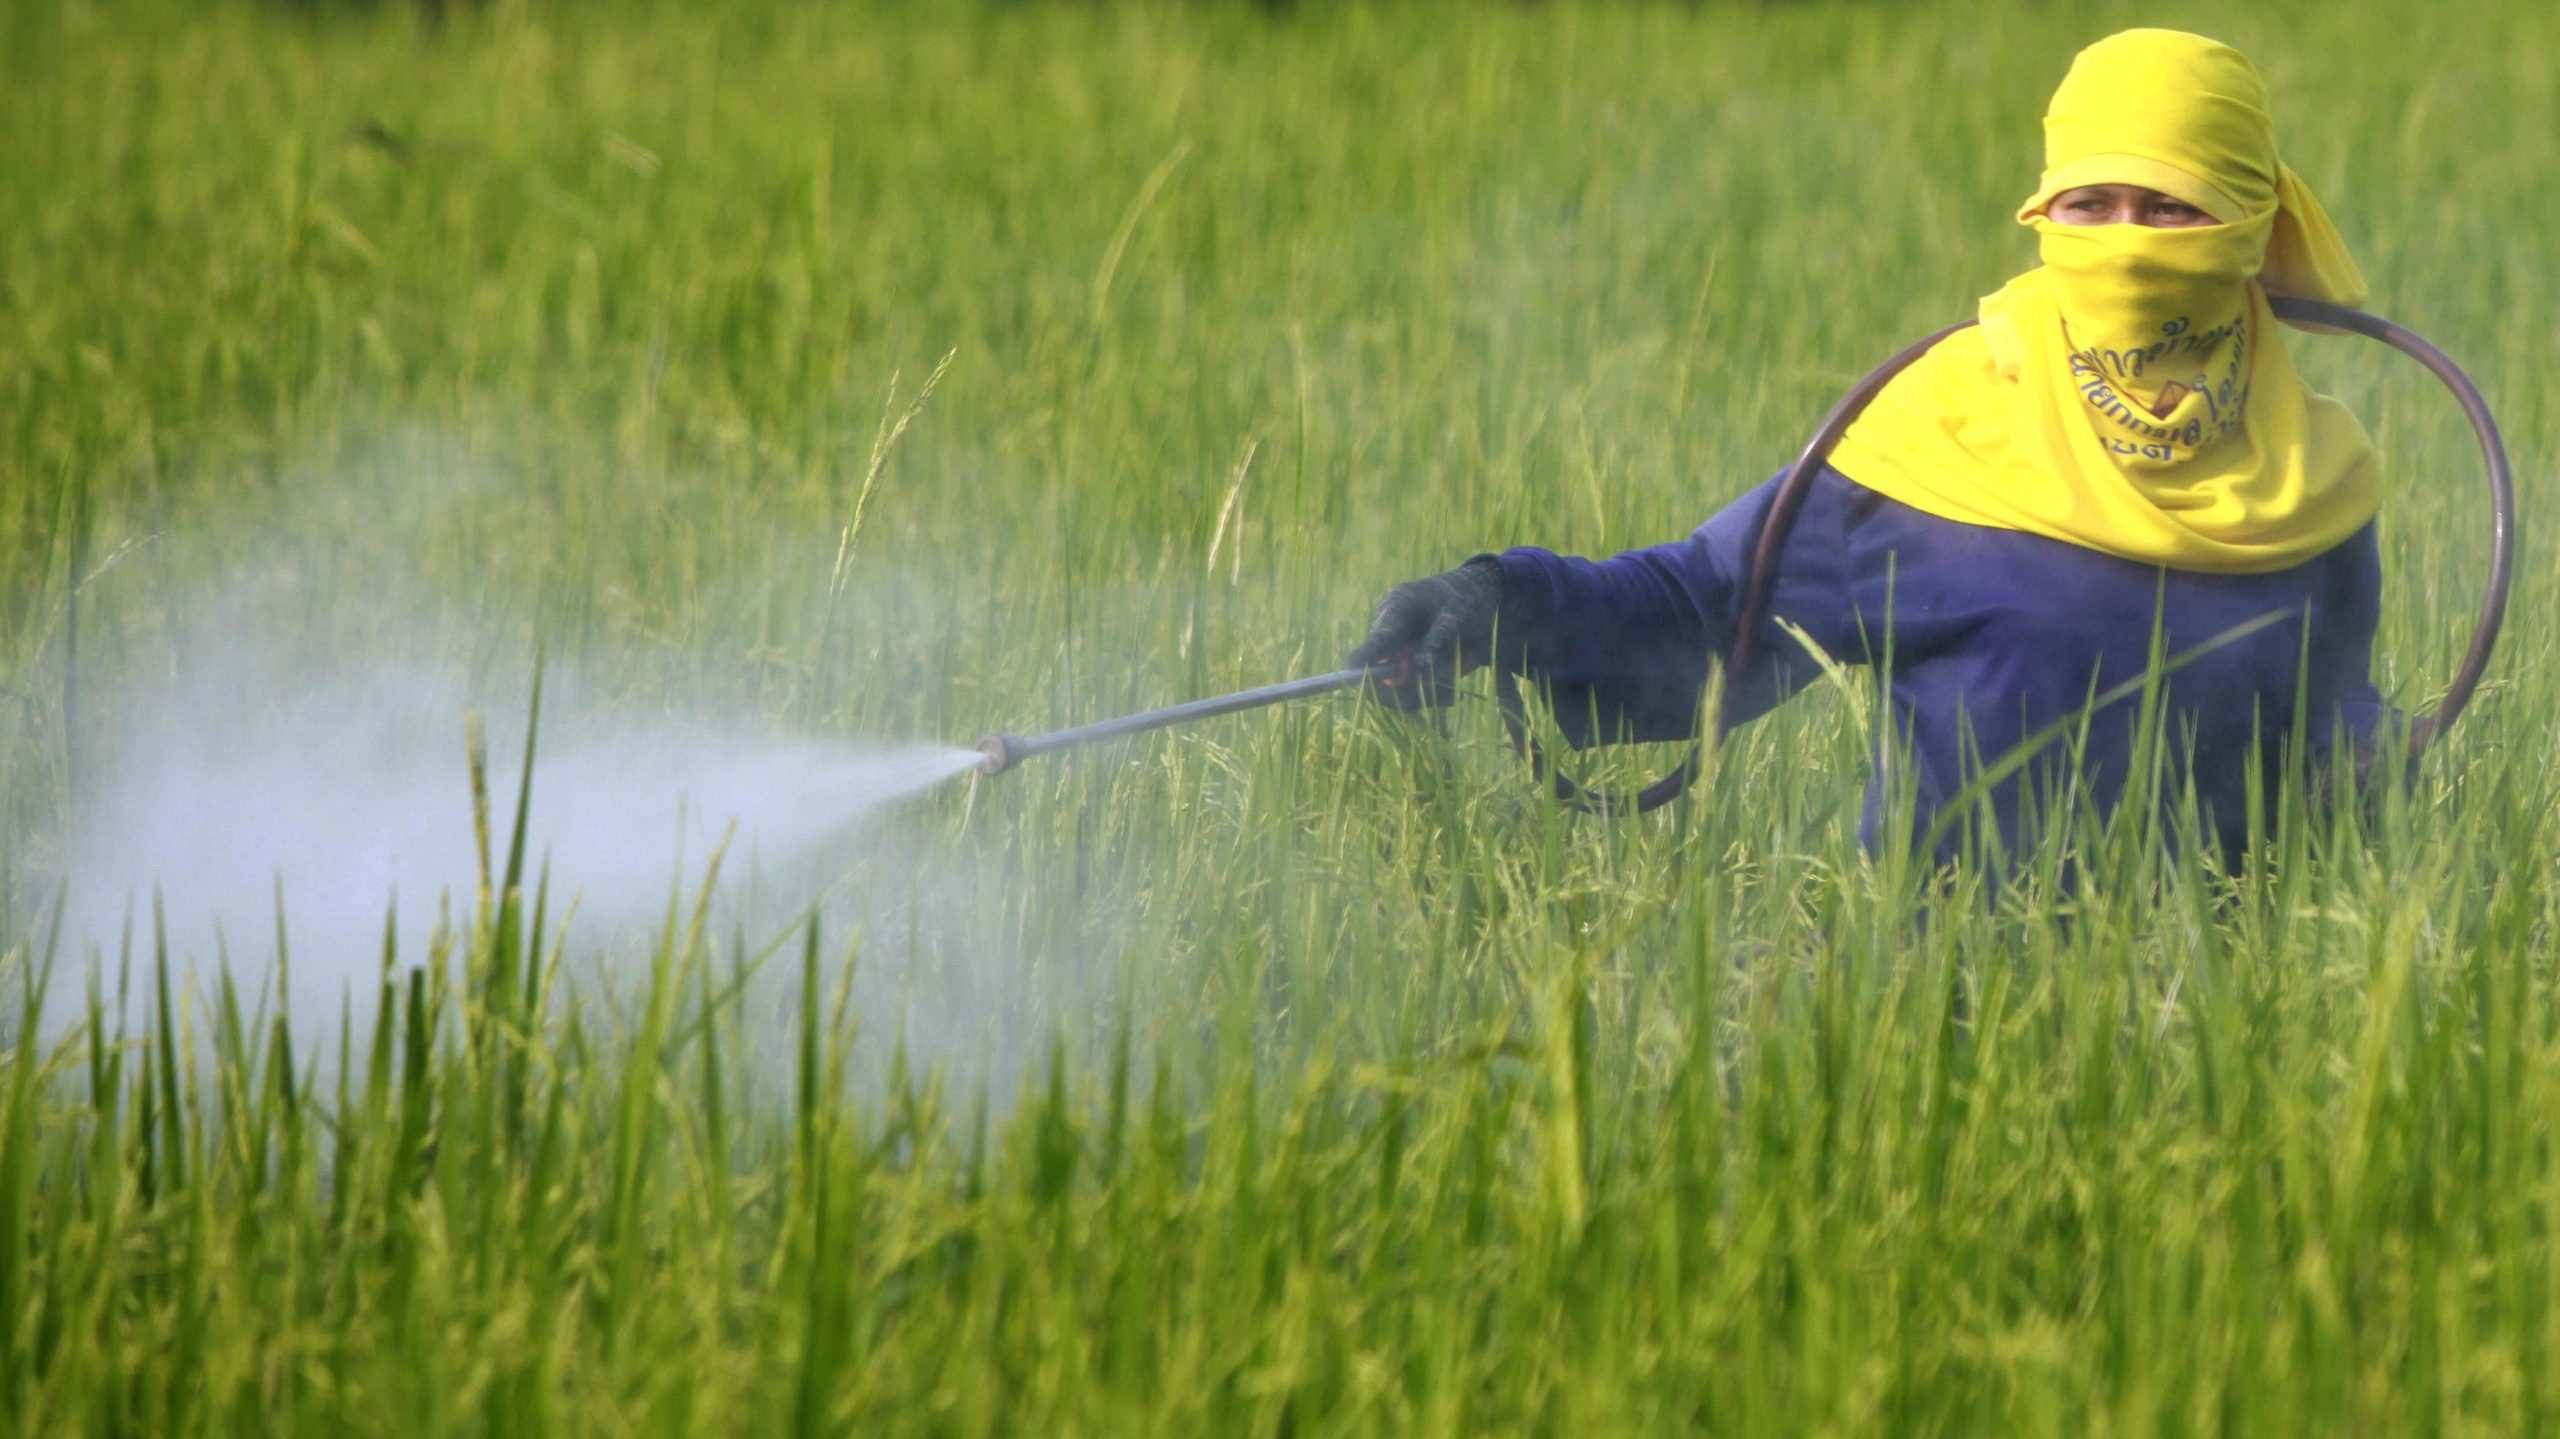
(2132, 394)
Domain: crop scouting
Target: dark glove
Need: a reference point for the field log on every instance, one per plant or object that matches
(1432, 630)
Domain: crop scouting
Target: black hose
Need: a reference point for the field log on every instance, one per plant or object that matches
(2502, 497)
(1779, 522)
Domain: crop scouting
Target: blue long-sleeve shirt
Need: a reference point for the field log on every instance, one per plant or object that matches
(1991, 635)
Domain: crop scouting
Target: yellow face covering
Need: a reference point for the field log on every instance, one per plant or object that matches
(2132, 394)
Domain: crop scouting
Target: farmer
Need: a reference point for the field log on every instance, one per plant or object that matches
(2120, 449)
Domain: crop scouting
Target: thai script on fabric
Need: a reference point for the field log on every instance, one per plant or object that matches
(2178, 339)
(2188, 412)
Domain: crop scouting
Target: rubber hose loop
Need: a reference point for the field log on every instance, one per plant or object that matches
(1788, 499)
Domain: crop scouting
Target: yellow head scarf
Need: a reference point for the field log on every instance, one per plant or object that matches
(2132, 394)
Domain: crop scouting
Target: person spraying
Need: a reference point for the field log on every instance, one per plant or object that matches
(2117, 463)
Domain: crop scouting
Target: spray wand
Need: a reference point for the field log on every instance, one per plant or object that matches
(1004, 751)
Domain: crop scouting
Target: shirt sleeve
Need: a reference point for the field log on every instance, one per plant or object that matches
(1624, 646)
(2344, 622)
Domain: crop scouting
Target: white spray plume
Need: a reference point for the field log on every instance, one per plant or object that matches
(340, 829)
(294, 729)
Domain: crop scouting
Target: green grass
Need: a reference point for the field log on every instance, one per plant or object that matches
(1305, 1072)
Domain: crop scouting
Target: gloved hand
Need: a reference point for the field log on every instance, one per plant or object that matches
(1433, 630)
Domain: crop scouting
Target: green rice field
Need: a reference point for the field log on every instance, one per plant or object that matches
(789, 382)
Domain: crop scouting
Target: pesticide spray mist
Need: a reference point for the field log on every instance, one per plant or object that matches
(333, 839)
(276, 732)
